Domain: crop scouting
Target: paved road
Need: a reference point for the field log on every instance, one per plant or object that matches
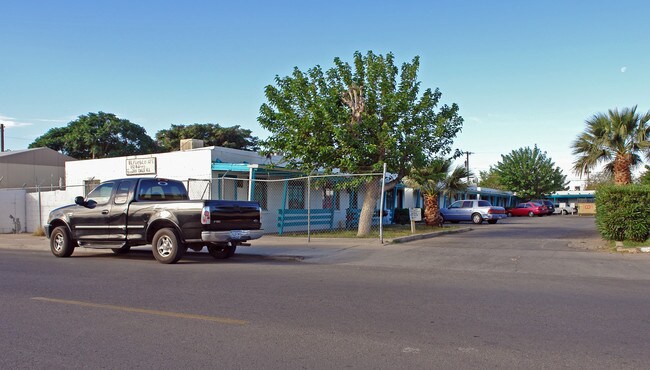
(525, 293)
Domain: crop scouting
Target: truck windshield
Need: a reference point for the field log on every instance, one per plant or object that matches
(158, 189)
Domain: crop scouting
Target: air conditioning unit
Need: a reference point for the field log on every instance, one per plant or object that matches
(187, 144)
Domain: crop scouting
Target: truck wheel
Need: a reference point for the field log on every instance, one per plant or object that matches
(61, 244)
(221, 252)
(509, 214)
(124, 250)
(166, 246)
(531, 214)
(477, 219)
(565, 212)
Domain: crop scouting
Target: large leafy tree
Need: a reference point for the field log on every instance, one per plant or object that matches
(357, 117)
(617, 139)
(436, 179)
(212, 135)
(97, 135)
(529, 173)
(490, 179)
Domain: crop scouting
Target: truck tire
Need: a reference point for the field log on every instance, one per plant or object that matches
(221, 252)
(61, 244)
(565, 212)
(123, 250)
(166, 246)
(477, 218)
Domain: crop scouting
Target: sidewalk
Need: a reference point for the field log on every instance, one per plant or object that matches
(269, 246)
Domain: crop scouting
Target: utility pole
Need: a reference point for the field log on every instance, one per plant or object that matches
(2, 134)
(467, 164)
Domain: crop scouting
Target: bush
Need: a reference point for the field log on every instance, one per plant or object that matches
(623, 212)
(401, 216)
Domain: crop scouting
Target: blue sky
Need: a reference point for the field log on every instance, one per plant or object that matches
(523, 72)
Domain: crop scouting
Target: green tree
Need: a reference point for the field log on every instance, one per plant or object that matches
(212, 135)
(617, 139)
(490, 179)
(435, 179)
(356, 118)
(645, 176)
(529, 173)
(97, 135)
(595, 180)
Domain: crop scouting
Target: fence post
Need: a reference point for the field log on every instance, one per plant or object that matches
(381, 206)
(40, 210)
(309, 208)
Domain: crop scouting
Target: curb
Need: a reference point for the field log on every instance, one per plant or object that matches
(633, 250)
(405, 239)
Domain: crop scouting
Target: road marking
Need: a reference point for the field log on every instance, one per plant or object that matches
(221, 320)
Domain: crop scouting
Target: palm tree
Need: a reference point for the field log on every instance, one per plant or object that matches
(616, 139)
(435, 179)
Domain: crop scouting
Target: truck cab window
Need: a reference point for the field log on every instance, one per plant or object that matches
(102, 193)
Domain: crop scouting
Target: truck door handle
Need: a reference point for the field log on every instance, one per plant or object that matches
(105, 212)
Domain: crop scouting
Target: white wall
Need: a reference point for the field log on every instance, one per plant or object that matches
(49, 200)
(12, 203)
(195, 164)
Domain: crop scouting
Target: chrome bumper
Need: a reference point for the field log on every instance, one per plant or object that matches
(230, 235)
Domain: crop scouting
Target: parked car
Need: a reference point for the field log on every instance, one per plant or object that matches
(565, 209)
(119, 214)
(473, 210)
(528, 209)
(550, 207)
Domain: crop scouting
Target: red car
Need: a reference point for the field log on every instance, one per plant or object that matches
(528, 209)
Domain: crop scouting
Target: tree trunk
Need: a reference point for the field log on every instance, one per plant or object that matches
(622, 173)
(432, 210)
(373, 189)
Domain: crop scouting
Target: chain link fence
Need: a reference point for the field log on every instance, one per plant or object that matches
(313, 205)
(309, 206)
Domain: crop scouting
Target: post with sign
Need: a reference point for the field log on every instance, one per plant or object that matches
(415, 214)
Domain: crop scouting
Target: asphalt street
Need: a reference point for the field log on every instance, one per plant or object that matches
(524, 293)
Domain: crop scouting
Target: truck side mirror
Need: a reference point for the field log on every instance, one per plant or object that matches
(80, 201)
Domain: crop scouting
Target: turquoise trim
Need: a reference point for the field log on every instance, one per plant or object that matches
(231, 167)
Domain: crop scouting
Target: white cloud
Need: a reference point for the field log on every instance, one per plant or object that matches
(623, 69)
(11, 122)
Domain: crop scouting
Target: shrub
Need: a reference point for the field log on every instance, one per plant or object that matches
(623, 212)
(401, 216)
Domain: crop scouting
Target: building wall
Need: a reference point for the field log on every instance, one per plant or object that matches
(18, 175)
(12, 203)
(40, 204)
(189, 164)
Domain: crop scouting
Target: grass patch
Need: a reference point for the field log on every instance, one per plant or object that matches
(39, 232)
(630, 244)
(390, 232)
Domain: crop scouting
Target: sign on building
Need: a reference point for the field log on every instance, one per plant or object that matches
(140, 166)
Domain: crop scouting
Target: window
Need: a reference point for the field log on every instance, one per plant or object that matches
(122, 194)
(89, 185)
(260, 194)
(457, 204)
(331, 199)
(483, 203)
(102, 193)
(296, 196)
(160, 189)
(468, 204)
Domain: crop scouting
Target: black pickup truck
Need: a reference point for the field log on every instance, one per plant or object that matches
(119, 214)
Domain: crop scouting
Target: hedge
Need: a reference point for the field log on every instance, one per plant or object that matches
(623, 212)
